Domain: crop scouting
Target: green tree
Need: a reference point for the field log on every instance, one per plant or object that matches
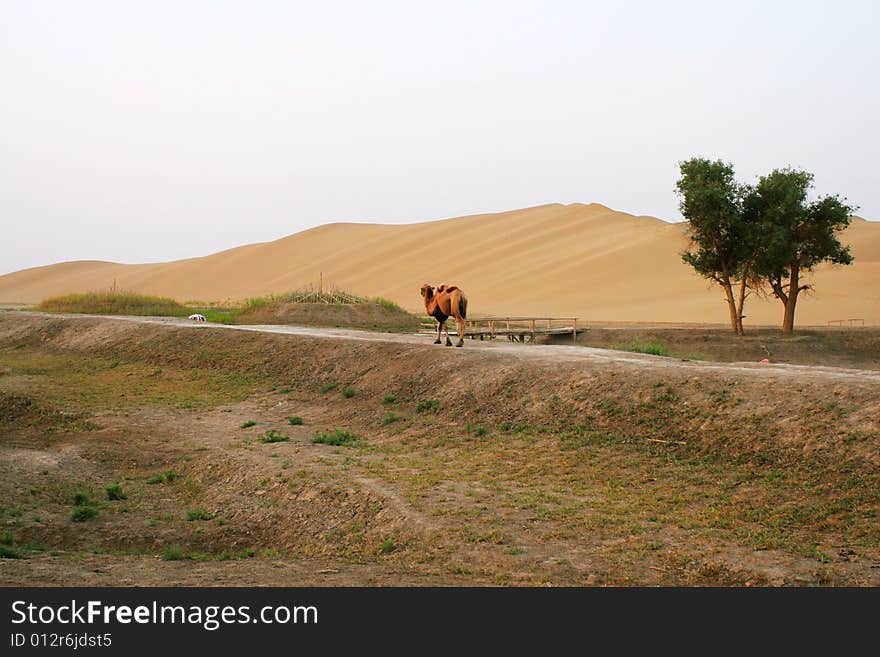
(723, 243)
(795, 235)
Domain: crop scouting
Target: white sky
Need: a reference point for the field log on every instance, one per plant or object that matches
(148, 131)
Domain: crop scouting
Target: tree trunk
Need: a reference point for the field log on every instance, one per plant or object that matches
(741, 301)
(731, 305)
(791, 301)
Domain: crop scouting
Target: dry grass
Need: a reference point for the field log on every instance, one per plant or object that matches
(664, 477)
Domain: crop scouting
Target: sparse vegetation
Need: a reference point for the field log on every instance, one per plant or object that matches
(248, 424)
(654, 349)
(198, 514)
(296, 421)
(83, 512)
(390, 418)
(7, 552)
(348, 392)
(272, 436)
(114, 492)
(173, 553)
(428, 406)
(117, 302)
(662, 473)
(159, 477)
(329, 387)
(389, 399)
(335, 437)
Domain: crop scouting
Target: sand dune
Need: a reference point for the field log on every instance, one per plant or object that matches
(584, 260)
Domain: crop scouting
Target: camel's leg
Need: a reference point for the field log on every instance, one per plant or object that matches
(448, 341)
(439, 328)
(459, 326)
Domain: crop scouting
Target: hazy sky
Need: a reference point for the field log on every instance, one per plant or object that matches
(147, 131)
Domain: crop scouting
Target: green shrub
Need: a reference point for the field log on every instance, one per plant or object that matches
(83, 512)
(335, 437)
(296, 420)
(348, 392)
(157, 478)
(272, 436)
(428, 406)
(654, 349)
(248, 424)
(387, 546)
(327, 388)
(390, 418)
(7, 552)
(173, 553)
(389, 399)
(198, 514)
(80, 498)
(114, 492)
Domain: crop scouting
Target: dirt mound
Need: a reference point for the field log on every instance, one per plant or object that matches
(363, 316)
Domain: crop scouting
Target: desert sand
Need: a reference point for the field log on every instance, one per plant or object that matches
(565, 260)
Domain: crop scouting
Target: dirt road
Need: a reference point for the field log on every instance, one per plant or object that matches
(535, 353)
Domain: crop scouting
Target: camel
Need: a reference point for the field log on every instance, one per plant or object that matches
(441, 304)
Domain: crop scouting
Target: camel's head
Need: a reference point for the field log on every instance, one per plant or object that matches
(427, 292)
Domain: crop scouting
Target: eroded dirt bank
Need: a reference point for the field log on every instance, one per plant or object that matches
(493, 464)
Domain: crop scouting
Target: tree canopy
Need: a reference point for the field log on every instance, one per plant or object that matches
(765, 236)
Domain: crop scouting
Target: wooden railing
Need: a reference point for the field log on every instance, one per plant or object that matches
(518, 328)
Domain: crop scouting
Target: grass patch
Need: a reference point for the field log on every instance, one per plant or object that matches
(173, 553)
(80, 498)
(387, 546)
(117, 302)
(335, 437)
(248, 424)
(114, 492)
(272, 436)
(652, 348)
(390, 418)
(348, 392)
(428, 406)
(7, 552)
(83, 513)
(389, 399)
(198, 514)
(159, 477)
(295, 421)
(328, 388)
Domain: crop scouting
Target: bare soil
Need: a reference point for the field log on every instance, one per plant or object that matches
(492, 464)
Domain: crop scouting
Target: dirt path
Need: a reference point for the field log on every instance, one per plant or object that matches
(535, 353)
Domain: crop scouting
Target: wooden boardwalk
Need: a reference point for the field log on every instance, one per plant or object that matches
(517, 329)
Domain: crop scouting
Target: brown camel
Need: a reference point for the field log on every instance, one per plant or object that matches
(441, 304)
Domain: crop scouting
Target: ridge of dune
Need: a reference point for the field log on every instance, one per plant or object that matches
(577, 259)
